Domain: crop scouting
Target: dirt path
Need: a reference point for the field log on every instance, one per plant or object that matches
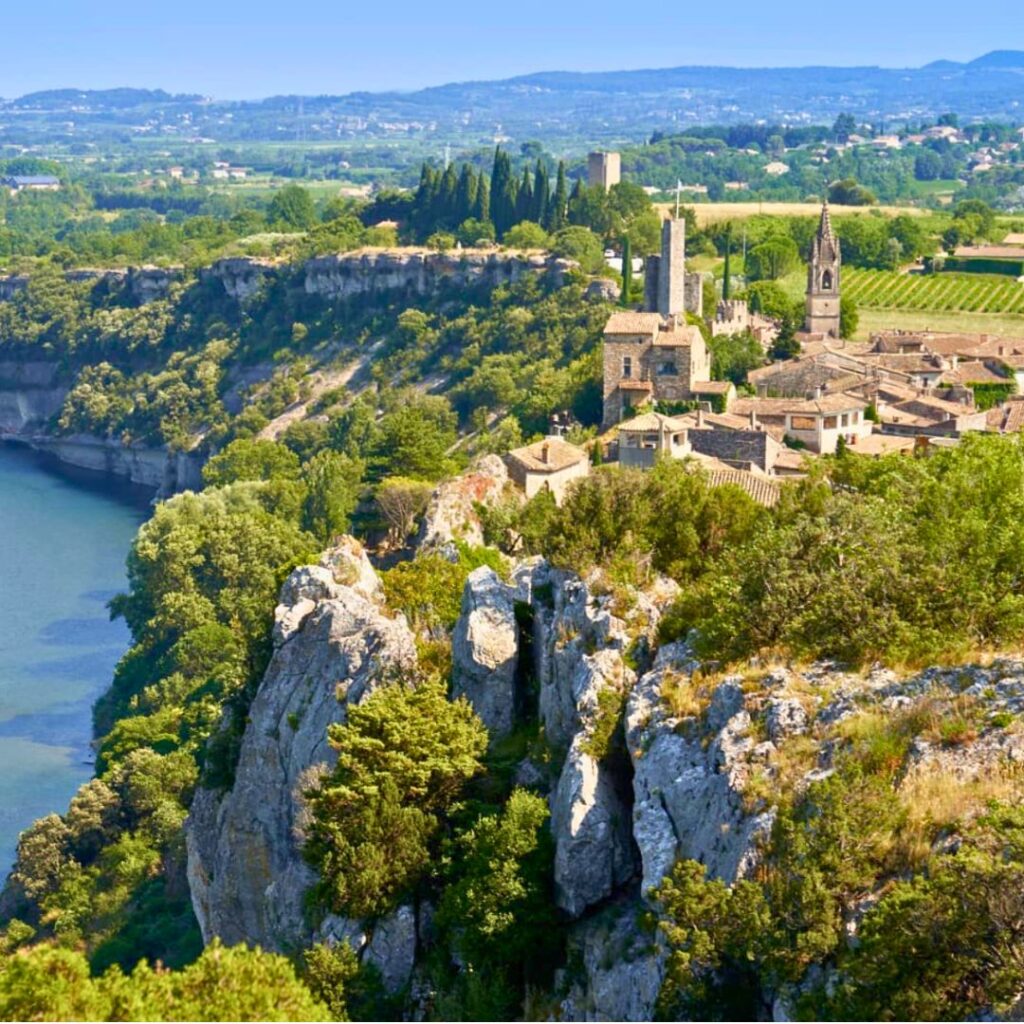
(319, 381)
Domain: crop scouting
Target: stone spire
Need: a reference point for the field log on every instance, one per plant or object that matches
(826, 243)
(823, 279)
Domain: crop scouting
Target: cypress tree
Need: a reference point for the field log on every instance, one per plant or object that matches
(465, 194)
(627, 270)
(445, 211)
(425, 201)
(541, 194)
(557, 206)
(503, 193)
(482, 208)
(524, 198)
(726, 284)
(574, 201)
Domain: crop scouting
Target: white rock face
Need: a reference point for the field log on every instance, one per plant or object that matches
(485, 650)
(622, 974)
(590, 823)
(688, 797)
(246, 872)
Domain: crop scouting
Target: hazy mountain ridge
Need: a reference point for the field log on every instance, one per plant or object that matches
(566, 105)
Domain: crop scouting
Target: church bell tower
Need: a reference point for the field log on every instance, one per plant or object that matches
(823, 279)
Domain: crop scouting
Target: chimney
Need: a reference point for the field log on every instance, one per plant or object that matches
(545, 453)
(700, 416)
(753, 419)
(762, 389)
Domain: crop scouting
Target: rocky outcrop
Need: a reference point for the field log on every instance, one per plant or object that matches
(689, 778)
(619, 972)
(452, 514)
(143, 284)
(420, 272)
(241, 277)
(31, 395)
(485, 650)
(166, 472)
(590, 820)
(334, 646)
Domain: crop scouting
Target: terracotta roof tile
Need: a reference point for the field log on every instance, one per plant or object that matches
(629, 322)
(548, 456)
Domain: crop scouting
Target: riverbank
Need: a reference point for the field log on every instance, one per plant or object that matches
(64, 535)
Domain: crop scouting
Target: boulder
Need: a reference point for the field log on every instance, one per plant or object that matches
(485, 650)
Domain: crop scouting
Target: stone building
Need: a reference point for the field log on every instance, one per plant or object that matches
(551, 464)
(604, 169)
(656, 355)
(650, 357)
(823, 280)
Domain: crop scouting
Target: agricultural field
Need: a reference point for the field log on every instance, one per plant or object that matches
(1004, 325)
(953, 293)
(710, 213)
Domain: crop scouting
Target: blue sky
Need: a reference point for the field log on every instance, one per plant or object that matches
(229, 49)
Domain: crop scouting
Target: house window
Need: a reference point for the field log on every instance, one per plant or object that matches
(845, 419)
(802, 423)
(855, 417)
(627, 366)
(831, 422)
(667, 370)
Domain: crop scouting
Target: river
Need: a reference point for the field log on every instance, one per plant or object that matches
(64, 536)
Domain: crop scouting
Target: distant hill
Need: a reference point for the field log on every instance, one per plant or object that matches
(572, 109)
(999, 59)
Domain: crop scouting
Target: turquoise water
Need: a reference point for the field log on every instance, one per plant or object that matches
(63, 542)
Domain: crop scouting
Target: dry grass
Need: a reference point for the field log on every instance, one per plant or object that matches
(939, 801)
(684, 696)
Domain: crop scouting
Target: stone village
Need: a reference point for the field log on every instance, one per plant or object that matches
(898, 392)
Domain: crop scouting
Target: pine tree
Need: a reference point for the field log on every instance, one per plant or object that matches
(557, 206)
(465, 195)
(541, 194)
(627, 270)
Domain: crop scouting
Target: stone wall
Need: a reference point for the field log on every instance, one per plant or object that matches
(739, 447)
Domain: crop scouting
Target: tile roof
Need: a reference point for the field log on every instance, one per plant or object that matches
(650, 421)
(780, 406)
(711, 387)
(629, 322)
(679, 337)
(762, 489)
(548, 456)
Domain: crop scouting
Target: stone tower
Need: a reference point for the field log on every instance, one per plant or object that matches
(604, 169)
(665, 280)
(823, 279)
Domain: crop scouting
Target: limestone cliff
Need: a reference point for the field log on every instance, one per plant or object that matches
(333, 644)
(651, 757)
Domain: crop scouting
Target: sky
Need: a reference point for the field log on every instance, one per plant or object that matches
(232, 50)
